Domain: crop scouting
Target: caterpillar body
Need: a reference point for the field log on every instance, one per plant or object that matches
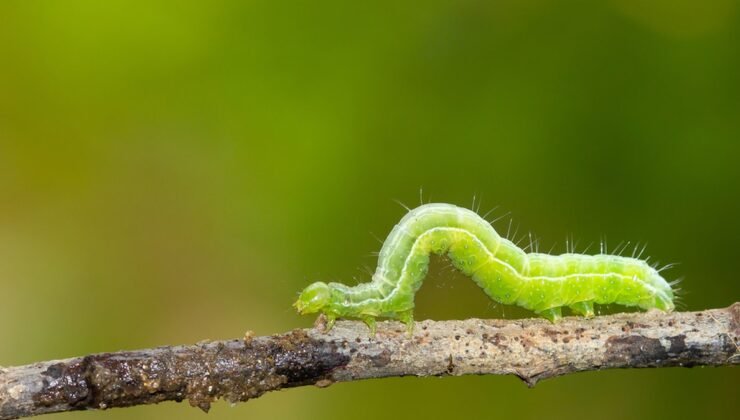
(539, 282)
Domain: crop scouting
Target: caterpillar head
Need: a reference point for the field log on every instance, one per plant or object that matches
(313, 298)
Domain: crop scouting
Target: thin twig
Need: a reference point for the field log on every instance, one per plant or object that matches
(238, 370)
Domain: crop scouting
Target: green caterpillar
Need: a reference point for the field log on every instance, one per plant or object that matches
(539, 282)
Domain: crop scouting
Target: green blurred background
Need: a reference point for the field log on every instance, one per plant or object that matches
(175, 171)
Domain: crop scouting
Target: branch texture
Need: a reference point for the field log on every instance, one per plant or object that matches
(238, 370)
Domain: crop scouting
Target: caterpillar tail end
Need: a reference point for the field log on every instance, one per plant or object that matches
(665, 303)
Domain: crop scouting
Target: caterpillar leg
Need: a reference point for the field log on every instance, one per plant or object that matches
(407, 317)
(552, 314)
(370, 321)
(585, 309)
(326, 320)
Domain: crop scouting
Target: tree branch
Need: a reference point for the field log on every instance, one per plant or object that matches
(238, 370)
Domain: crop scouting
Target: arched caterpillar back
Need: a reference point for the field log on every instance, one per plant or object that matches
(539, 282)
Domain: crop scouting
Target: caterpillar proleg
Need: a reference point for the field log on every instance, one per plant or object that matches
(542, 283)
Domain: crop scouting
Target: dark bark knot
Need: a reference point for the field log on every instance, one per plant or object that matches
(233, 370)
(66, 384)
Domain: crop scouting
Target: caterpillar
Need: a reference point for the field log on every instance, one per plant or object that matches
(542, 283)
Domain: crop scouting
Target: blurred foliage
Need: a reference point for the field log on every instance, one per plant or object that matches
(174, 171)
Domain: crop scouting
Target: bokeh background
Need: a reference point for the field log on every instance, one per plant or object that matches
(175, 171)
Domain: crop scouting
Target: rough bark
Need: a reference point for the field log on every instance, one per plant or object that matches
(238, 370)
